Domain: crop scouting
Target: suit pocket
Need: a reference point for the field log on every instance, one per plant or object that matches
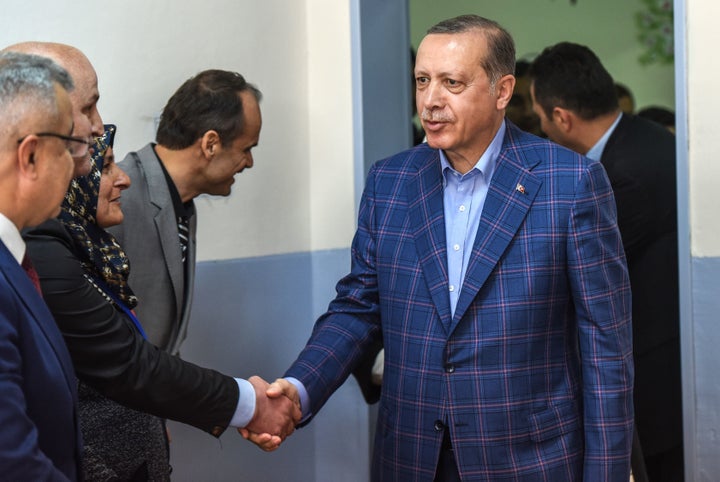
(554, 421)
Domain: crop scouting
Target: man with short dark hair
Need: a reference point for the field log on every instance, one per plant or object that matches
(40, 438)
(490, 263)
(205, 137)
(576, 100)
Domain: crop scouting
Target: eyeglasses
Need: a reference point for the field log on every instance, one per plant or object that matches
(76, 146)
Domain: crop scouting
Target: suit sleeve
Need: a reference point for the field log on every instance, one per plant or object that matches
(600, 289)
(633, 220)
(110, 355)
(363, 373)
(20, 455)
(348, 334)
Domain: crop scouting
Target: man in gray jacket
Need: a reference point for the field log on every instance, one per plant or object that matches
(206, 134)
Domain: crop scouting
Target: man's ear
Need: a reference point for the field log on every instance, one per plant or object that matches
(26, 152)
(210, 143)
(563, 119)
(504, 90)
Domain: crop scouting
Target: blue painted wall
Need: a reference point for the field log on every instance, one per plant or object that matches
(253, 316)
(706, 326)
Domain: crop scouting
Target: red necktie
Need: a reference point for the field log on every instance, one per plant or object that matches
(32, 274)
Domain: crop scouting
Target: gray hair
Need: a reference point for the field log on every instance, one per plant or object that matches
(500, 60)
(30, 77)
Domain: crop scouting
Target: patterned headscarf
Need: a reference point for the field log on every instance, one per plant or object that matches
(101, 256)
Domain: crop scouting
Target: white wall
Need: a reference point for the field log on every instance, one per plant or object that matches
(703, 115)
(329, 104)
(700, 283)
(299, 195)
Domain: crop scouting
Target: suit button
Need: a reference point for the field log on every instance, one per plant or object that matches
(439, 426)
(217, 431)
(449, 368)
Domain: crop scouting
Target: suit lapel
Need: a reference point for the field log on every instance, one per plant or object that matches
(165, 221)
(166, 225)
(511, 192)
(427, 221)
(37, 310)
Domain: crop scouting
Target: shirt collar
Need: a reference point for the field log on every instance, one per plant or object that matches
(486, 163)
(181, 209)
(596, 151)
(12, 239)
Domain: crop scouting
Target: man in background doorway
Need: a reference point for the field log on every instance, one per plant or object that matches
(576, 100)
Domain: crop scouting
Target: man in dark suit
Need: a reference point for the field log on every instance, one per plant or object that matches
(490, 262)
(40, 437)
(576, 100)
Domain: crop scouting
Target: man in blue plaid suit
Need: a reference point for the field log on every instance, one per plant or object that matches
(490, 263)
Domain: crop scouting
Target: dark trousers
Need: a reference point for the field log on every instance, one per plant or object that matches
(447, 470)
(637, 460)
(667, 466)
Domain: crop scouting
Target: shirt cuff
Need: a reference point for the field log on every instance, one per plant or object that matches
(246, 404)
(304, 398)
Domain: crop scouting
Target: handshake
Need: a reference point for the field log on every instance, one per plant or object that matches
(277, 411)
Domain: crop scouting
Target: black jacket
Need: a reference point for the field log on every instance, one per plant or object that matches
(639, 158)
(110, 355)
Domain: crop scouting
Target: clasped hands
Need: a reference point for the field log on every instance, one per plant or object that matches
(277, 411)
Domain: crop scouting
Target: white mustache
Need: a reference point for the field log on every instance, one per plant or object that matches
(435, 116)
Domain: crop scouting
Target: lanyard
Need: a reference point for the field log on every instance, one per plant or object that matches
(110, 293)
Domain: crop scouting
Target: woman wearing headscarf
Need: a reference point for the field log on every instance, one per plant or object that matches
(83, 273)
(120, 443)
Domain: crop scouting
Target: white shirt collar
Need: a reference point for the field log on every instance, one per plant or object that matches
(11, 237)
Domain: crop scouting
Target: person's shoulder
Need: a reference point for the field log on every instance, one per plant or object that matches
(640, 128)
(50, 246)
(641, 141)
(407, 160)
(539, 153)
(48, 240)
(136, 158)
(142, 167)
(51, 229)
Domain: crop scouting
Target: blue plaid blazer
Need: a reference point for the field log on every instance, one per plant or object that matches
(533, 375)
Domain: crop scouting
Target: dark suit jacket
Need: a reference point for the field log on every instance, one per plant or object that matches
(533, 375)
(640, 161)
(149, 236)
(39, 432)
(111, 356)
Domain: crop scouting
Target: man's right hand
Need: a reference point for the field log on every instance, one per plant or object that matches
(277, 411)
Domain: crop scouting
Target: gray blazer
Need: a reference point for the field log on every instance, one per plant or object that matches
(149, 236)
